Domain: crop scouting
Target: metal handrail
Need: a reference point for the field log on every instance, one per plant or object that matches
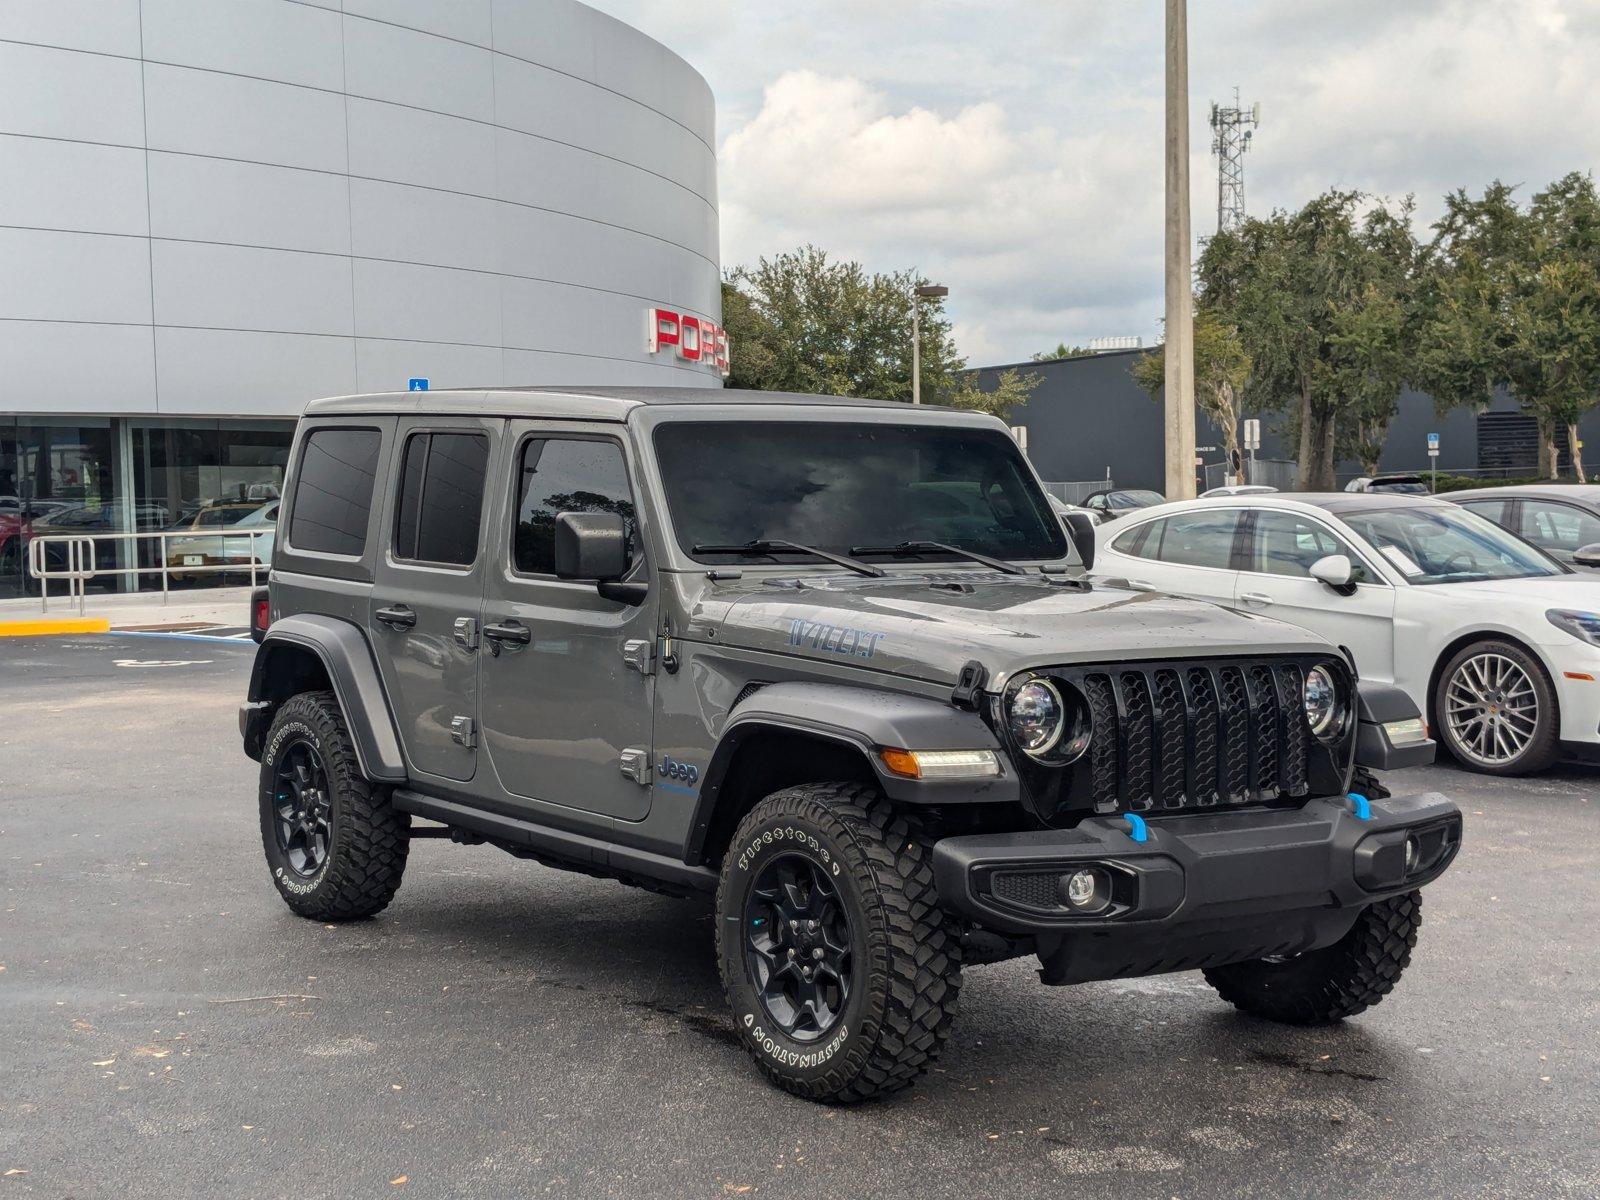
(82, 562)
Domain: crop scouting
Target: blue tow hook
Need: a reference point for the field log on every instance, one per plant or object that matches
(1361, 806)
(1136, 828)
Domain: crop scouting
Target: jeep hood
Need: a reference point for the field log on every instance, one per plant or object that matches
(928, 626)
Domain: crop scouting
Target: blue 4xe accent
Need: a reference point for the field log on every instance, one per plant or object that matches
(1361, 806)
(1136, 828)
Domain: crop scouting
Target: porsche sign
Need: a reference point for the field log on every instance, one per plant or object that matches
(691, 338)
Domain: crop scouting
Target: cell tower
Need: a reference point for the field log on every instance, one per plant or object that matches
(1231, 131)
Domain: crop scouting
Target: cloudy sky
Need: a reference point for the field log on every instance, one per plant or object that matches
(1012, 148)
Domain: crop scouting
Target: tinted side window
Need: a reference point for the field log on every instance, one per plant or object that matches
(1558, 527)
(1138, 542)
(441, 498)
(560, 475)
(1495, 510)
(333, 496)
(1198, 539)
(1286, 544)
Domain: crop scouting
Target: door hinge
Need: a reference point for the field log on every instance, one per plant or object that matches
(635, 765)
(639, 654)
(668, 654)
(464, 731)
(466, 632)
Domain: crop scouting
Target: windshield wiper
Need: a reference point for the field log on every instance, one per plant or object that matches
(772, 545)
(999, 564)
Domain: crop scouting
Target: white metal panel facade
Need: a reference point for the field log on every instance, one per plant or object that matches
(231, 207)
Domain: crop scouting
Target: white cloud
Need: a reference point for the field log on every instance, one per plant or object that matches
(1013, 149)
(993, 210)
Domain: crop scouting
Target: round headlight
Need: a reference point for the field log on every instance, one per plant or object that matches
(1322, 701)
(1036, 716)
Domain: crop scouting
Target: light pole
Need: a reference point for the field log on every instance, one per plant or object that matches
(928, 291)
(1179, 352)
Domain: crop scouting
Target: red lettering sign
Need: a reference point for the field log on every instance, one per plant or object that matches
(694, 339)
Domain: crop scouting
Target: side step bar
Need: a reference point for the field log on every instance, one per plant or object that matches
(571, 850)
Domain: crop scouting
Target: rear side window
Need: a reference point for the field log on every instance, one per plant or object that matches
(441, 498)
(1135, 542)
(333, 497)
(1195, 539)
(566, 475)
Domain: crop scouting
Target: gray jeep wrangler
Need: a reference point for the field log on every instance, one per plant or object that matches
(836, 665)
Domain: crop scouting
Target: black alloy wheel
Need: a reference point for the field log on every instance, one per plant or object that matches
(302, 806)
(797, 947)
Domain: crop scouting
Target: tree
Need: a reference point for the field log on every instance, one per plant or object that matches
(1011, 389)
(1512, 298)
(800, 322)
(1221, 368)
(1295, 286)
(1061, 351)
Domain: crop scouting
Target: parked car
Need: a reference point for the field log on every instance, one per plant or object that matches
(108, 556)
(214, 549)
(1112, 503)
(1403, 485)
(1563, 520)
(886, 737)
(1495, 640)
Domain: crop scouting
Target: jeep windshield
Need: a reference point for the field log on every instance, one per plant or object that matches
(839, 486)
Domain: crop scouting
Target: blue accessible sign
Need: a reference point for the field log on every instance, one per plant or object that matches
(416, 385)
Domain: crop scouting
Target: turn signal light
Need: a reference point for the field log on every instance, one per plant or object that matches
(939, 764)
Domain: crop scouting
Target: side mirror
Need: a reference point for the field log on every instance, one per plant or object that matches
(1335, 570)
(1587, 556)
(590, 546)
(1081, 526)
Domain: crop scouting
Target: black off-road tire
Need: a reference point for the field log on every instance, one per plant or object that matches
(1323, 986)
(369, 838)
(906, 964)
(1544, 746)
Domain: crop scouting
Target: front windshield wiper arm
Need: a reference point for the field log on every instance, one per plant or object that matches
(999, 564)
(772, 545)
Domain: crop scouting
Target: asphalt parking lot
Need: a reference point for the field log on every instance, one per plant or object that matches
(169, 1028)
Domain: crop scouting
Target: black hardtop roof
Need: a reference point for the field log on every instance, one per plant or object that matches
(597, 403)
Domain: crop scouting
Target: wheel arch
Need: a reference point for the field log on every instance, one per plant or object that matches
(311, 653)
(792, 733)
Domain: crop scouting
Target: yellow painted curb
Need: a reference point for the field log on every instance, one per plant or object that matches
(44, 627)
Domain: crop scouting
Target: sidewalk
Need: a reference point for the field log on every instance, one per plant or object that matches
(191, 609)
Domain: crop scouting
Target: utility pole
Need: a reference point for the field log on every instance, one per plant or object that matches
(1231, 131)
(929, 291)
(1179, 353)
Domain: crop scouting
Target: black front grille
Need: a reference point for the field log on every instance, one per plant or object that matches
(1174, 736)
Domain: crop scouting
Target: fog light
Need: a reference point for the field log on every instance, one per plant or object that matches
(1086, 890)
(1080, 888)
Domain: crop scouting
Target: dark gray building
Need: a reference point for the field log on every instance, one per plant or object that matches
(1088, 418)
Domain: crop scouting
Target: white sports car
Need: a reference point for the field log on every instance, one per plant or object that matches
(1497, 642)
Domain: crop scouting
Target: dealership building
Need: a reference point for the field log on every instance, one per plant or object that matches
(212, 213)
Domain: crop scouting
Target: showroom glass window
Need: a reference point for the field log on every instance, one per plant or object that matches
(557, 475)
(333, 494)
(441, 498)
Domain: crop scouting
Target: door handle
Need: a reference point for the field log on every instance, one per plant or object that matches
(1255, 597)
(511, 632)
(398, 617)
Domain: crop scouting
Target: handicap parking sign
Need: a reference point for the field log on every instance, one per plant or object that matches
(416, 385)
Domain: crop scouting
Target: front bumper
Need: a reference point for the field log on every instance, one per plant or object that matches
(1201, 890)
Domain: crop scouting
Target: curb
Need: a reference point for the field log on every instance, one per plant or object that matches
(47, 627)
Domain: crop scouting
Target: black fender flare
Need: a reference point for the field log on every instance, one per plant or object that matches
(345, 655)
(864, 719)
(1378, 705)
